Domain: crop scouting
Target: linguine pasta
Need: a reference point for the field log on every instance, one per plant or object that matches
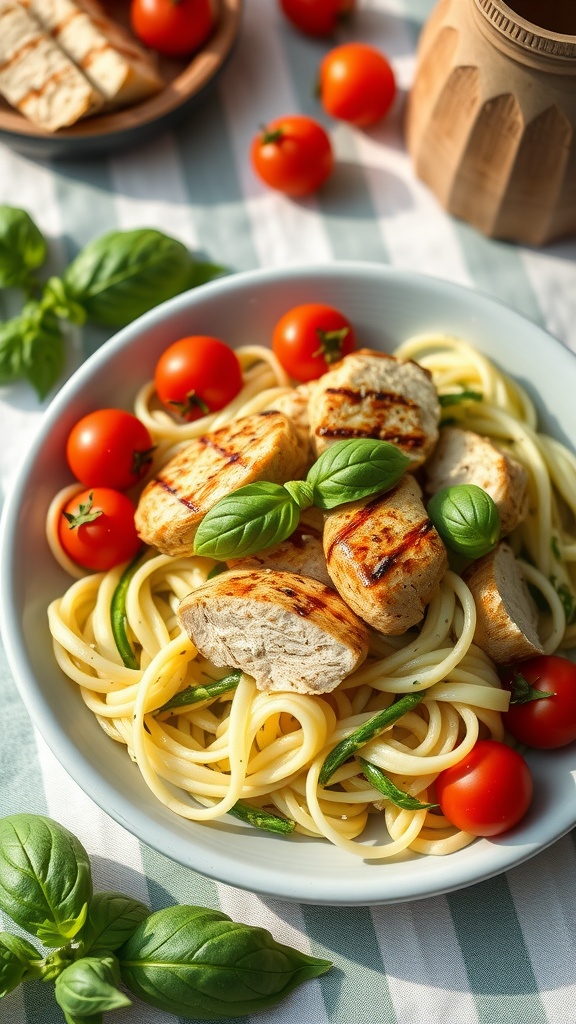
(267, 749)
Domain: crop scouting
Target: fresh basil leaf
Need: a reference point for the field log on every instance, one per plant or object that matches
(43, 351)
(377, 778)
(19, 961)
(467, 519)
(123, 274)
(22, 248)
(247, 521)
(201, 273)
(11, 351)
(197, 963)
(90, 986)
(45, 877)
(302, 493)
(353, 469)
(112, 918)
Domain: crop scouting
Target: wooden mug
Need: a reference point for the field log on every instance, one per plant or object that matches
(491, 115)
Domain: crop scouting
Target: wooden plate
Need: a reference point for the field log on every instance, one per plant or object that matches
(186, 83)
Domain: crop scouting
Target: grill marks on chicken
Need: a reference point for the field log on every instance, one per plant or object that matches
(265, 446)
(374, 395)
(289, 632)
(385, 557)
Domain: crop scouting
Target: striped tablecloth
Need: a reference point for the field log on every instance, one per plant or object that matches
(504, 950)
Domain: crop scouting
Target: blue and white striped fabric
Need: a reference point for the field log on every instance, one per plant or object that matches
(503, 951)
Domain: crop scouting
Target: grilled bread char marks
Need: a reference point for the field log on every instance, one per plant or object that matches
(385, 557)
(465, 457)
(289, 632)
(37, 77)
(506, 616)
(107, 54)
(372, 394)
(265, 446)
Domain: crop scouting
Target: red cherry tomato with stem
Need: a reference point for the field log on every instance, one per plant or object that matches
(488, 791)
(174, 28)
(96, 529)
(542, 713)
(197, 375)
(109, 448)
(309, 338)
(356, 84)
(292, 154)
(317, 17)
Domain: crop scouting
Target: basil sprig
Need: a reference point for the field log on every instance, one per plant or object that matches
(111, 281)
(191, 961)
(263, 514)
(196, 962)
(467, 519)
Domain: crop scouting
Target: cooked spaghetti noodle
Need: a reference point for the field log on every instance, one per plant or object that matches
(267, 749)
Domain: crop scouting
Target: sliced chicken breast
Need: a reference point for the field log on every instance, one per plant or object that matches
(266, 446)
(464, 457)
(506, 616)
(385, 557)
(302, 552)
(371, 394)
(294, 404)
(288, 631)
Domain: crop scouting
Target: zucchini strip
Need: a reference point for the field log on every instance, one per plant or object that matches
(118, 615)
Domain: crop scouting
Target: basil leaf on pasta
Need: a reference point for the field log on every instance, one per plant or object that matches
(353, 469)
(250, 519)
(467, 519)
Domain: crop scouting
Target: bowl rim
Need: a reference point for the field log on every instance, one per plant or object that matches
(472, 864)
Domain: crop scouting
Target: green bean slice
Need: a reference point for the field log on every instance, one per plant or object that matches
(364, 733)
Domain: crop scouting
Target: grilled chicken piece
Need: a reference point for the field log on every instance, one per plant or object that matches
(464, 457)
(506, 616)
(385, 557)
(301, 553)
(261, 447)
(371, 394)
(37, 77)
(290, 632)
(294, 405)
(117, 66)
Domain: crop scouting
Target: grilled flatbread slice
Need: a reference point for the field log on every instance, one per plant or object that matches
(37, 77)
(116, 65)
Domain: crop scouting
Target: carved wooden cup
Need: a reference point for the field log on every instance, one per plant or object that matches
(491, 116)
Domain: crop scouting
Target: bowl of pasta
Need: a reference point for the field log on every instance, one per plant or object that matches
(284, 725)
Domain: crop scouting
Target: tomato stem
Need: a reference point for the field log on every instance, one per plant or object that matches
(331, 344)
(85, 514)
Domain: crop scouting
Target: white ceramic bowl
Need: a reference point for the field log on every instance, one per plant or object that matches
(386, 307)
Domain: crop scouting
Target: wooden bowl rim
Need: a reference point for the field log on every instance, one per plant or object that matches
(183, 87)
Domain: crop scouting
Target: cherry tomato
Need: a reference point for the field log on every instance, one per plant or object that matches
(292, 154)
(197, 375)
(356, 84)
(109, 448)
(173, 27)
(96, 529)
(542, 722)
(317, 17)
(308, 338)
(488, 791)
